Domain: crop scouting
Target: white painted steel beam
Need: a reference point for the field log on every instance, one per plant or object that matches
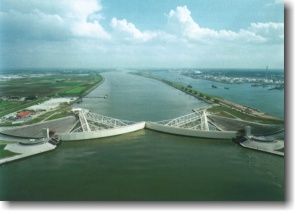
(183, 120)
(197, 120)
(204, 123)
(93, 122)
(84, 124)
(104, 120)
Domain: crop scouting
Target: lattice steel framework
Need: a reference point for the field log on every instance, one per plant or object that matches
(197, 120)
(204, 122)
(92, 121)
(84, 124)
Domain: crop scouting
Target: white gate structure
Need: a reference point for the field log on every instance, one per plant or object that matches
(93, 126)
(197, 120)
(93, 122)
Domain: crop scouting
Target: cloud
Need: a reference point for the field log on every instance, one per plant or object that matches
(181, 22)
(34, 25)
(273, 32)
(79, 39)
(278, 1)
(275, 2)
(127, 29)
(91, 30)
(50, 20)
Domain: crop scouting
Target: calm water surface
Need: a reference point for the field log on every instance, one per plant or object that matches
(144, 165)
(270, 101)
(136, 98)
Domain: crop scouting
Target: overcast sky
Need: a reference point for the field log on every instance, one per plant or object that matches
(142, 34)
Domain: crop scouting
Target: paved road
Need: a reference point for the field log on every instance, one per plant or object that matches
(228, 124)
(35, 130)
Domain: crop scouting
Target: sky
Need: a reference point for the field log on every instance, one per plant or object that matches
(142, 34)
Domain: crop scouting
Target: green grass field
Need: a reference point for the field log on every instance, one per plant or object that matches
(19, 106)
(46, 86)
(226, 112)
(5, 153)
(4, 105)
(76, 91)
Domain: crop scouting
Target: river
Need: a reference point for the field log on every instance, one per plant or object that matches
(144, 165)
(270, 101)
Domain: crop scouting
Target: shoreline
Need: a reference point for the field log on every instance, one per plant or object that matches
(217, 101)
(93, 87)
(59, 93)
(66, 115)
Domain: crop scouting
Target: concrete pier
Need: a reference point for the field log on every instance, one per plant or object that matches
(269, 147)
(24, 151)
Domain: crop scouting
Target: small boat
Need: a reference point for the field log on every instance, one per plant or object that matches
(213, 86)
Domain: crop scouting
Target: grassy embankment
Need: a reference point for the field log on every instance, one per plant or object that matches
(5, 153)
(7, 107)
(44, 88)
(220, 106)
(61, 111)
(83, 88)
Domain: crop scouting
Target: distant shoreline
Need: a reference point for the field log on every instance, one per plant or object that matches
(244, 112)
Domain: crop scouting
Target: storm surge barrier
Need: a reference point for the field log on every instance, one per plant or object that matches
(92, 121)
(194, 125)
(190, 121)
(91, 125)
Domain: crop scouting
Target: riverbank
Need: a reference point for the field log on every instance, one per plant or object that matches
(219, 105)
(38, 113)
(95, 86)
(144, 165)
(19, 94)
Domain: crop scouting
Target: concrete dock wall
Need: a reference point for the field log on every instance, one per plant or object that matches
(269, 147)
(26, 151)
